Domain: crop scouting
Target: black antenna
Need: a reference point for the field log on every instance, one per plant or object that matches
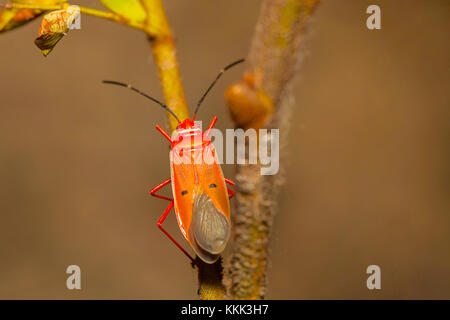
(214, 82)
(143, 94)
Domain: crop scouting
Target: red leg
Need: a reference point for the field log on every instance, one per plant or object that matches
(160, 222)
(159, 186)
(231, 193)
(229, 181)
(164, 133)
(211, 125)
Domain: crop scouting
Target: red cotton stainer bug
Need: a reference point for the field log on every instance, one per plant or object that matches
(200, 195)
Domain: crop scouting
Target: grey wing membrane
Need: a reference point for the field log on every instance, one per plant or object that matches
(209, 230)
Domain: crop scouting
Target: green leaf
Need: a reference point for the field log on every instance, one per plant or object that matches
(129, 9)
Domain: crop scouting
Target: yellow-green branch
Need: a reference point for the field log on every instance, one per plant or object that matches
(89, 11)
(113, 17)
(164, 53)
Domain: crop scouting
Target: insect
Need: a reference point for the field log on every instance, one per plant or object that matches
(200, 194)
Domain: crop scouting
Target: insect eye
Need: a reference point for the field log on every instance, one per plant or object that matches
(212, 185)
(184, 192)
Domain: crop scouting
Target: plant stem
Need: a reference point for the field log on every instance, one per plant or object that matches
(113, 17)
(33, 6)
(89, 11)
(262, 99)
(164, 53)
(210, 280)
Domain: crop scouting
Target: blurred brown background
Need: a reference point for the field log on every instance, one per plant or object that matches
(368, 163)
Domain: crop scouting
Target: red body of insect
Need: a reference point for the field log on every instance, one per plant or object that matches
(200, 195)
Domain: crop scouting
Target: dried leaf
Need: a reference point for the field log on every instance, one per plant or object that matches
(54, 26)
(128, 9)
